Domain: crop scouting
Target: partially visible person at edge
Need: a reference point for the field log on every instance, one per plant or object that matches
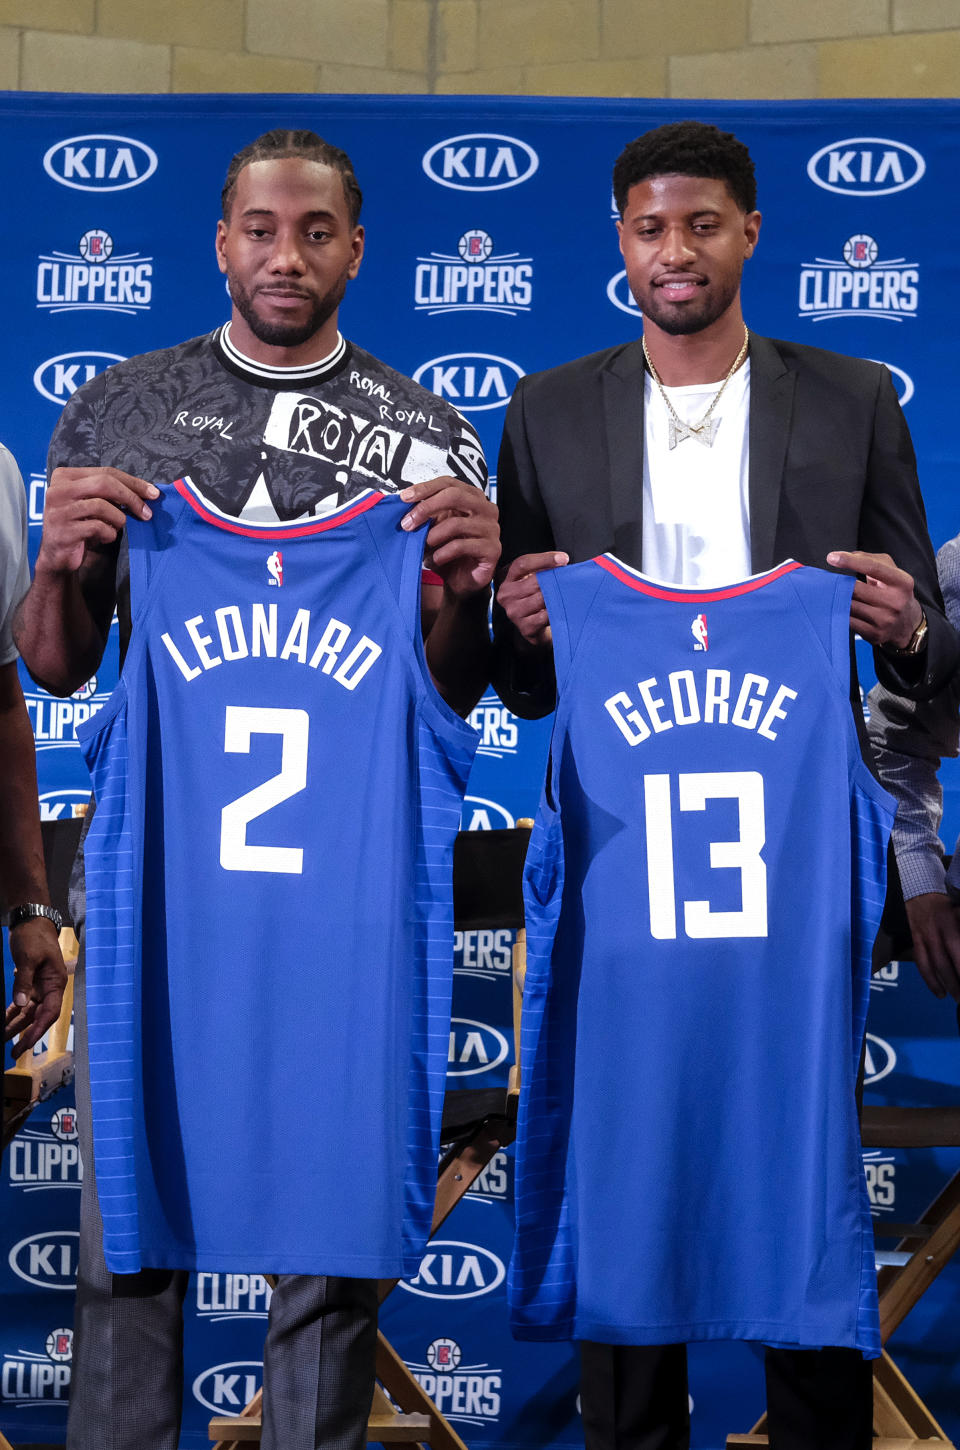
(39, 975)
(703, 453)
(289, 242)
(909, 739)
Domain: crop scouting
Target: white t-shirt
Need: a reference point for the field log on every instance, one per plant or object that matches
(696, 508)
(14, 569)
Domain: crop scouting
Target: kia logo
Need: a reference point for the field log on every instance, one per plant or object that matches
(453, 1270)
(483, 161)
(474, 1047)
(228, 1387)
(100, 163)
(47, 1260)
(866, 166)
(474, 382)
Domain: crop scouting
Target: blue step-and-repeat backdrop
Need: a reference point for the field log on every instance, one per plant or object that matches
(491, 252)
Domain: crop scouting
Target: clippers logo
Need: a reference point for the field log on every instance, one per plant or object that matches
(226, 1388)
(475, 381)
(483, 815)
(475, 280)
(860, 251)
(232, 1296)
(496, 727)
(59, 377)
(60, 1345)
(275, 567)
(54, 721)
(475, 246)
(860, 285)
(474, 1047)
(63, 804)
(880, 1171)
(41, 1160)
(879, 1060)
(93, 279)
(699, 631)
(468, 1393)
(96, 246)
(63, 1125)
(47, 1260)
(444, 1354)
(100, 163)
(453, 1270)
(482, 161)
(866, 166)
(28, 1378)
(483, 953)
(618, 292)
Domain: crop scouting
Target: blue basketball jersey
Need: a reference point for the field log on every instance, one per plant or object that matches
(269, 876)
(703, 887)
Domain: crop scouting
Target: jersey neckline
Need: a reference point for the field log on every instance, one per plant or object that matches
(188, 491)
(279, 379)
(659, 589)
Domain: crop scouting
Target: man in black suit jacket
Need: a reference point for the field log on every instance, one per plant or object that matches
(822, 470)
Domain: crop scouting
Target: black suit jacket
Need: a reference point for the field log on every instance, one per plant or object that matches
(831, 467)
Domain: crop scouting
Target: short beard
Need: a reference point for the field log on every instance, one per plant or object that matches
(677, 321)
(287, 334)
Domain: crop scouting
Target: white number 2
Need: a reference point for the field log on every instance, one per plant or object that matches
(743, 854)
(293, 726)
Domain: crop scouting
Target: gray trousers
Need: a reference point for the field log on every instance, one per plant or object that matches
(127, 1384)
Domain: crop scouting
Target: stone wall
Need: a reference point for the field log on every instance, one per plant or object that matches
(705, 48)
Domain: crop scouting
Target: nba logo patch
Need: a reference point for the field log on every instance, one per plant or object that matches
(275, 567)
(698, 629)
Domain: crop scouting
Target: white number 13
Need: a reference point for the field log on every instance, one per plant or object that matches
(293, 726)
(743, 854)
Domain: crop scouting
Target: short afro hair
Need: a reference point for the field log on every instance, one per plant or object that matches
(283, 144)
(687, 148)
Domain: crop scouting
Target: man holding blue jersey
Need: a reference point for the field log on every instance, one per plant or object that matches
(289, 242)
(702, 454)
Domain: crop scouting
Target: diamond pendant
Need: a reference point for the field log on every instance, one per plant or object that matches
(704, 434)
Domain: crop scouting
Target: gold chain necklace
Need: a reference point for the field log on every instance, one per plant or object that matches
(705, 431)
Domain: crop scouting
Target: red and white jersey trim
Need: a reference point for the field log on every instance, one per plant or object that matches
(188, 490)
(657, 589)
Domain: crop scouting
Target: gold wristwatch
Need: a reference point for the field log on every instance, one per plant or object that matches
(917, 641)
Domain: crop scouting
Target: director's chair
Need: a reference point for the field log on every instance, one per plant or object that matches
(488, 868)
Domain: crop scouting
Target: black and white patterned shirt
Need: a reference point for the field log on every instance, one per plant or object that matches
(268, 444)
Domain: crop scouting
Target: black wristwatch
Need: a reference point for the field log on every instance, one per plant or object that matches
(30, 910)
